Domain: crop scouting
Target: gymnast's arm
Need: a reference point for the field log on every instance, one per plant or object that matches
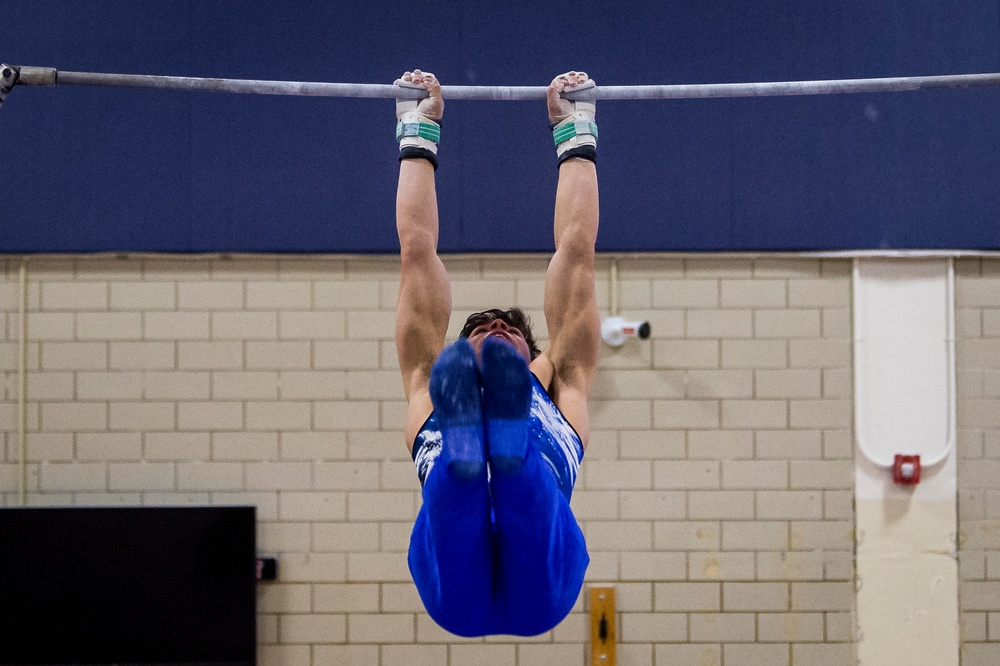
(569, 363)
(424, 305)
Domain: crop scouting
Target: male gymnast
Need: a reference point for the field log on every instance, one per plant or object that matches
(496, 427)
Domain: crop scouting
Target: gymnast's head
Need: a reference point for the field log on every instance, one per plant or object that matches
(512, 326)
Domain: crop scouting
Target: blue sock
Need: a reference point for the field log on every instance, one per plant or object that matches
(506, 405)
(457, 399)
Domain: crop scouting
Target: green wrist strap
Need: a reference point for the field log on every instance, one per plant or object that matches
(566, 132)
(422, 130)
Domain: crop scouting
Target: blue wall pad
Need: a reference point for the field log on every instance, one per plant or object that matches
(131, 170)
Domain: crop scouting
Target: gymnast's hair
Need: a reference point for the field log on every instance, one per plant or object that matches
(514, 317)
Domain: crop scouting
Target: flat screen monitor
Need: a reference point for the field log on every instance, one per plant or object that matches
(164, 585)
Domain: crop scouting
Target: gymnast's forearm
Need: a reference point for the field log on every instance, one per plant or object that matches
(416, 209)
(424, 292)
(577, 207)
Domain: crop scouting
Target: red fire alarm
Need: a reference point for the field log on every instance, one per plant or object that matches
(906, 470)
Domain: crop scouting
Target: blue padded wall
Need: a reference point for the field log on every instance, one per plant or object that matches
(102, 169)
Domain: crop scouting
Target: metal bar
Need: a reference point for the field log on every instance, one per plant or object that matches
(783, 88)
(42, 76)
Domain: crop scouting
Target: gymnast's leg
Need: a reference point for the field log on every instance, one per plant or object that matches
(451, 548)
(541, 553)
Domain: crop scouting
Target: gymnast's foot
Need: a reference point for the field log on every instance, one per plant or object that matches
(506, 405)
(456, 395)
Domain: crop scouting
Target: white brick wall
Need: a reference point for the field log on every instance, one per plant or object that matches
(716, 495)
(977, 289)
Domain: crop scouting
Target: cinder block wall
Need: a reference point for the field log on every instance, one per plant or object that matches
(977, 290)
(720, 491)
(716, 494)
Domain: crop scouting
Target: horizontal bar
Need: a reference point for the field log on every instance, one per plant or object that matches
(783, 88)
(46, 77)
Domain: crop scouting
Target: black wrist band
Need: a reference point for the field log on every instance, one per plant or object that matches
(414, 153)
(585, 152)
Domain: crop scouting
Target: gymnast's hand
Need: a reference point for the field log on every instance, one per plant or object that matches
(430, 107)
(560, 109)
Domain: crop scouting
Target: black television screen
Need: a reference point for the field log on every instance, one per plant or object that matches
(165, 585)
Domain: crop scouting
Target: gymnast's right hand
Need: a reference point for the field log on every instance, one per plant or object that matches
(560, 109)
(431, 107)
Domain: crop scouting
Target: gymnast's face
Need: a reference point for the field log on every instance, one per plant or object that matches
(500, 330)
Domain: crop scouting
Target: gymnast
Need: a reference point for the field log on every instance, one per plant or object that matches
(497, 428)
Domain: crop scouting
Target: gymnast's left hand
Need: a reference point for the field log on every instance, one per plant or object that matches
(431, 107)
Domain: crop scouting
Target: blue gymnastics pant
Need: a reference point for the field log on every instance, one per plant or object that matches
(498, 557)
